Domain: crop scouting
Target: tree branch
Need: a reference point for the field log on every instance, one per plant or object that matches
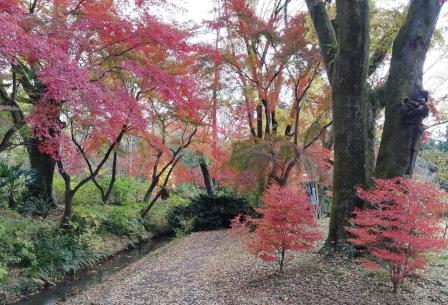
(325, 33)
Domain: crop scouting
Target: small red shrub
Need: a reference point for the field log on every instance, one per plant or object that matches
(287, 223)
(402, 223)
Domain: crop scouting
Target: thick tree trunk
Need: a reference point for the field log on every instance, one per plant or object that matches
(405, 99)
(42, 166)
(206, 175)
(346, 61)
(349, 100)
(345, 54)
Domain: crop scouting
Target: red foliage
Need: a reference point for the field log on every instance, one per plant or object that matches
(287, 224)
(401, 225)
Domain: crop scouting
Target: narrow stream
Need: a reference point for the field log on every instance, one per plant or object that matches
(90, 278)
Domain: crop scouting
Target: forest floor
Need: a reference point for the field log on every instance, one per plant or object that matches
(214, 268)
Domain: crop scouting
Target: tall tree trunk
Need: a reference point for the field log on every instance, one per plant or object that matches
(206, 175)
(259, 110)
(296, 125)
(42, 166)
(405, 99)
(274, 123)
(267, 115)
(345, 55)
(349, 100)
(346, 61)
(372, 112)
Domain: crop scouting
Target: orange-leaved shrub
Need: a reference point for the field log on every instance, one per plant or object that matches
(287, 223)
(401, 223)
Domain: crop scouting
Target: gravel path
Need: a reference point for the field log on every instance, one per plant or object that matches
(212, 268)
(173, 274)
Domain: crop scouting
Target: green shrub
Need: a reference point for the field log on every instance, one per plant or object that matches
(39, 249)
(208, 213)
(185, 226)
(97, 242)
(3, 273)
(16, 246)
(125, 190)
(13, 179)
(87, 195)
(58, 189)
(33, 205)
(124, 221)
(21, 286)
(57, 253)
(158, 218)
(86, 217)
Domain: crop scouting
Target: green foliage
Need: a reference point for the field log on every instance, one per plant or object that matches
(440, 160)
(87, 195)
(385, 23)
(40, 249)
(33, 205)
(86, 217)
(124, 221)
(58, 189)
(16, 246)
(208, 213)
(12, 183)
(247, 155)
(185, 226)
(158, 219)
(3, 273)
(57, 253)
(125, 190)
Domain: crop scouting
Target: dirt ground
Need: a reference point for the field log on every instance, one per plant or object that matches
(214, 268)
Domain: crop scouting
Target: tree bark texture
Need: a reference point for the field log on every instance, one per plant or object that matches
(42, 166)
(355, 110)
(404, 97)
(349, 100)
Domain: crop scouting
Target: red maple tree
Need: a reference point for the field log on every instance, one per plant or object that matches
(287, 223)
(402, 223)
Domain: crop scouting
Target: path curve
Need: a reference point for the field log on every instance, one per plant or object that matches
(173, 274)
(212, 268)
